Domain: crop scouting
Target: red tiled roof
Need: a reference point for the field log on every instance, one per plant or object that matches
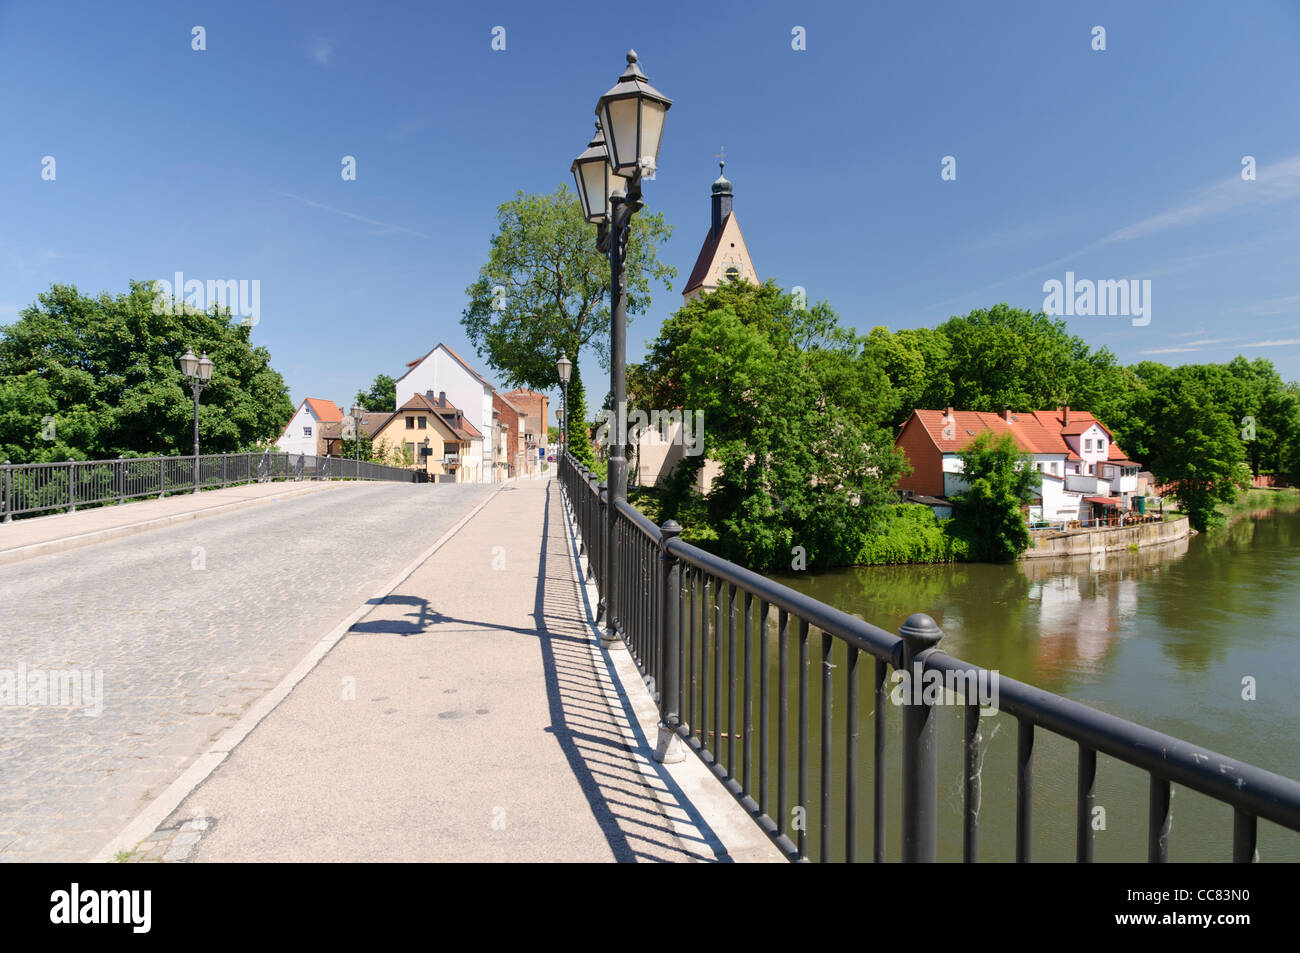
(1039, 431)
(1104, 500)
(324, 409)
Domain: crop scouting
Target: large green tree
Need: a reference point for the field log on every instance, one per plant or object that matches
(381, 396)
(1187, 438)
(987, 513)
(545, 287)
(793, 410)
(98, 377)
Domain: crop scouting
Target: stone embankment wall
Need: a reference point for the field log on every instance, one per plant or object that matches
(1084, 542)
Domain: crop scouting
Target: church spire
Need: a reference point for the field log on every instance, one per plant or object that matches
(721, 200)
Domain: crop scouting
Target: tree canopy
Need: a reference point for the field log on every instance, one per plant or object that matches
(793, 412)
(381, 396)
(545, 287)
(86, 377)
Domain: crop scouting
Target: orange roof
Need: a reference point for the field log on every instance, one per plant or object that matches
(1040, 431)
(324, 409)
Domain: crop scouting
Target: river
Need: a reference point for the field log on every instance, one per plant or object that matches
(1166, 636)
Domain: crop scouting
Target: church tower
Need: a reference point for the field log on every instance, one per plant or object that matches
(724, 255)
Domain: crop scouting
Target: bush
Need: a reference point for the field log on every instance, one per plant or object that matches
(909, 533)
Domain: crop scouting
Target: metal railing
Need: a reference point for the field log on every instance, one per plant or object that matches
(30, 488)
(686, 615)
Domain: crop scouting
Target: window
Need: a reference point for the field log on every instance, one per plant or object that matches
(306, 431)
(1087, 444)
(423, 423)
(410, 423)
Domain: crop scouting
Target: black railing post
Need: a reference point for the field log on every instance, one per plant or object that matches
(121, 480)
(920, 782)
(9, 494)
(72, 487)
(669, 750)
(608, 636)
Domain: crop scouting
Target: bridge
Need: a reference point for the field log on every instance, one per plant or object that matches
(369, 669)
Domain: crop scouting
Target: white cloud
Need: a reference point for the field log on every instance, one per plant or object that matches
(1280, 342)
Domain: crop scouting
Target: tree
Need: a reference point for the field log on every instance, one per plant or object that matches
(987, 513)
(348, 448)
(577, 426)
(1007, 356)
(792, 408)
(1192, 443)
(381, 396)
(545, 287)
(98, 377)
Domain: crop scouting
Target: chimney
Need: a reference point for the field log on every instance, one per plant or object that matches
(721, 202)
(948, 412)
(442, 398)
(1006, 413)
(1066, 414)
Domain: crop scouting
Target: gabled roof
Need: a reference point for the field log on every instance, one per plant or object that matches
(502, 397)
(1038, 432)
(324, 409)
(410, 365)
(1080, 421)
(419, 402)
(447, 412)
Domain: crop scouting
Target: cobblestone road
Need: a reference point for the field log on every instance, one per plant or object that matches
(189, 625)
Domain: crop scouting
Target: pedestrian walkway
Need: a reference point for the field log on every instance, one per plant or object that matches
(41, 535)
(470, 716)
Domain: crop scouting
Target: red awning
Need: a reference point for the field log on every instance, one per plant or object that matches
(1104, 500)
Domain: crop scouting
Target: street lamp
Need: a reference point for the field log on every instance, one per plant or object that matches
(199, 371)
(358, 414)
(631, 116)
(564, 367)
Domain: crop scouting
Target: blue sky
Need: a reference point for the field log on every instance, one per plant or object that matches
(226, 163)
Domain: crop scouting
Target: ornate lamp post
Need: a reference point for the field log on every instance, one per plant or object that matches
(564, 367)
(199, 371)
(631, 118)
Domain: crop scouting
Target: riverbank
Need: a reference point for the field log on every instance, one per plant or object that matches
(1282, 499)
(1088, 542)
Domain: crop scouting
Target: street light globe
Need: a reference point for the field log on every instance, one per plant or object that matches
(564, 367)
(358, 412)
(205, 367)
(632, 117)
(189, 363)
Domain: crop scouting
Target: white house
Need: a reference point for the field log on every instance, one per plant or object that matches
(1083, 474)
(442, 371)
(302, 434)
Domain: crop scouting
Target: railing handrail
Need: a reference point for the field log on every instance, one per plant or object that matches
(653, 576)
(116, 480)
(872, 639)
(1263, 793)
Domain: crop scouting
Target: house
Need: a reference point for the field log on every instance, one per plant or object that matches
(1083, 475)
(334, 433)
(534, 438)
(302, 434)
(435, 437)
(443, 371)
(510, 459)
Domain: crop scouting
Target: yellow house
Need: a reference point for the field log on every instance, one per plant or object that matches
(430, 435)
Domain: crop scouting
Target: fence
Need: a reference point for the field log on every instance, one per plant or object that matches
(31, 488)
(686, 614)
